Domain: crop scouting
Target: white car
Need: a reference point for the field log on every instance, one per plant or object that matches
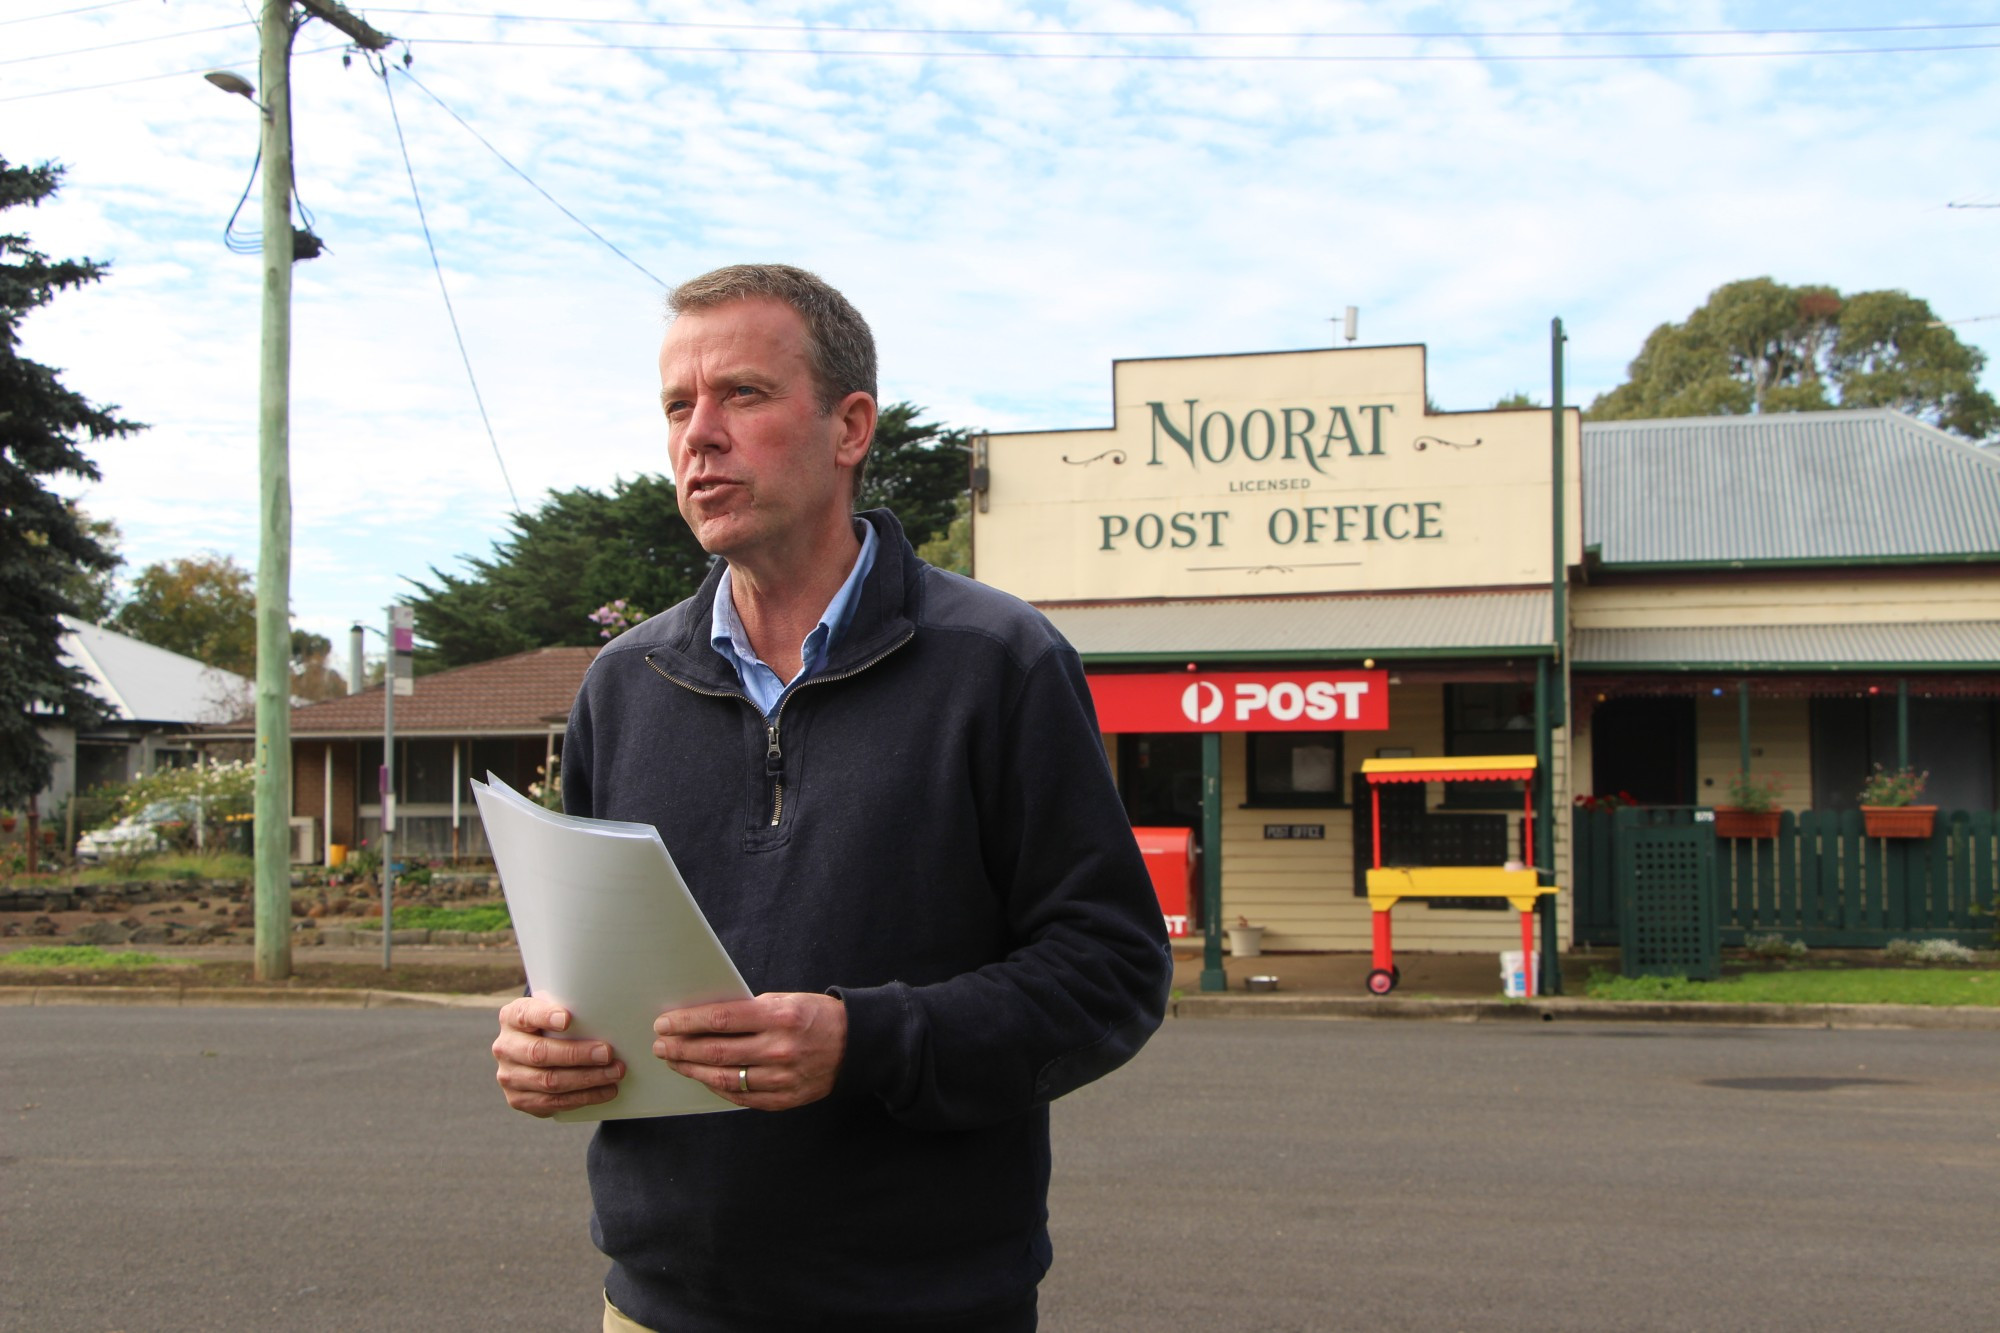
(135, 835)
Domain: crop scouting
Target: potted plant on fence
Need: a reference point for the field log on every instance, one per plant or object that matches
(1888, 804)
(1753, 810)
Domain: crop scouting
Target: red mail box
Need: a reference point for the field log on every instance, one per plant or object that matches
(1171, 861)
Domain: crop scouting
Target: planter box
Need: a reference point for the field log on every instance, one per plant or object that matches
(1731, 822)
(1898, 821)
(1246, 941)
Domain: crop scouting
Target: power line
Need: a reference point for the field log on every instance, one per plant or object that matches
(1195, 57)
(63, 13)
(1044, 33)
(153, 78)
(136, 41)
(382, 70)
(531, 181)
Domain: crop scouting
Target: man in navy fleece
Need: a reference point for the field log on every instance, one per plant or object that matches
(885, 785)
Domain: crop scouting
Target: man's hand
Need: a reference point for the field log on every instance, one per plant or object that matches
(787, 1046)
(542, 1075)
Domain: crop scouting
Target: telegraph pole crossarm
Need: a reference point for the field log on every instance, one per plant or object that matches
(350, 23)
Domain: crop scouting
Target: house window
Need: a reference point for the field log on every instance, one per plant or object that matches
(1487, 719)
(423, 771)
(1956, 741)
(1294, 768)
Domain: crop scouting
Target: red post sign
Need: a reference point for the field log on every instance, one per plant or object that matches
(1242, 701)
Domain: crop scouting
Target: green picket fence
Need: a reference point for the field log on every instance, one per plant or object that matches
(1821, 880)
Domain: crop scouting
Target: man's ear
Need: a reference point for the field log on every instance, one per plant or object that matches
(856, 414)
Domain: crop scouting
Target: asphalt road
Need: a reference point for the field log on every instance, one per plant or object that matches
(308, 1170)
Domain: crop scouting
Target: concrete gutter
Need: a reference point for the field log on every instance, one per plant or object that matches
(1226, 1005)
(1559, 1009)
(238, 997)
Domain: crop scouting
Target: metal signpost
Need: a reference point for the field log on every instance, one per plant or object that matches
(398, 677)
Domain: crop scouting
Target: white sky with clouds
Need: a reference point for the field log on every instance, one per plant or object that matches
(1009, 226)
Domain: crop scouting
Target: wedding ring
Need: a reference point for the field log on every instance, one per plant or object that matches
(743, 1080)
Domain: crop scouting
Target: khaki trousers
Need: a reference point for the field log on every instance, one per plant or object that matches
(616, 1320)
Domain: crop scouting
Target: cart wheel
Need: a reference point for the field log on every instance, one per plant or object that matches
(1381, 981)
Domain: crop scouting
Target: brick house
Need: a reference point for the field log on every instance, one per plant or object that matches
(505, 716)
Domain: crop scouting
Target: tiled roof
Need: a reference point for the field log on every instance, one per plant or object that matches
(524, 694)
(1801, 487)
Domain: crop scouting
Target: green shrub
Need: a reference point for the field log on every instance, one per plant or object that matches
(1929, 951)
(1773, 946)
(223, 789)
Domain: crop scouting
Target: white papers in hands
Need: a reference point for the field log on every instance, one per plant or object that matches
(607, 927)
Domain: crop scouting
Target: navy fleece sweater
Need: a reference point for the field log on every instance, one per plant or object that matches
(932, 835)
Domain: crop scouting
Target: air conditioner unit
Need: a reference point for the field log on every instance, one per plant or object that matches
(305, 839)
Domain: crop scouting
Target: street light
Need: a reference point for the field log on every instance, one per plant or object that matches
(232, 82)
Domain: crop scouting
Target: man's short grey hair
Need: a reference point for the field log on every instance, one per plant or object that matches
(840, 348)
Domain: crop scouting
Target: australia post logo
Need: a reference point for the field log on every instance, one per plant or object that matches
(1242, 701)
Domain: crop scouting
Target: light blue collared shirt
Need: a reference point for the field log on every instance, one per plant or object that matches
(727, 636)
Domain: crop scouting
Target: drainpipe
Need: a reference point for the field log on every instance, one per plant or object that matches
(1550, 698)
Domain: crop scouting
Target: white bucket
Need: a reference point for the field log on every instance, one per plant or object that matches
(1513, 979)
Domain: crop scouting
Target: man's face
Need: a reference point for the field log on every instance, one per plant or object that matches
(758, 467)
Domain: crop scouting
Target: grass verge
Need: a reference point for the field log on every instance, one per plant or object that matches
(487, 916)
(80, 955)
(454, 978)
(170, 866)
(1860, 985)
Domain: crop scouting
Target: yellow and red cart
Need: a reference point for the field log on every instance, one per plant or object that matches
(1388, 885)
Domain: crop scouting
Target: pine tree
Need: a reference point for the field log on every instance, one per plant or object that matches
(44, 542)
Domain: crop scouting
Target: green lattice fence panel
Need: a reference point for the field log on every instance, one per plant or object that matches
(1666, 899)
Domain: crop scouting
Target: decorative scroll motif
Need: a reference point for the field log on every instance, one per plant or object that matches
(1271, 569)
(1116, 456)
(1426, 441)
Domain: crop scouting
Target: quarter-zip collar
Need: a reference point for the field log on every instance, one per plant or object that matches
(883, 613)
(726, 634)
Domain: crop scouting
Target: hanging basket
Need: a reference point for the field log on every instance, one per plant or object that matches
(1731, 822)
(1898, 821)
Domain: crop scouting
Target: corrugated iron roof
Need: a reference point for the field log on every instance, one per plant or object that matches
(143, 683)
(1942, 643)
(1806, 486)
(1486, 623)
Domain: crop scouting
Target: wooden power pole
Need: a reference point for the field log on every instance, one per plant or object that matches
(273, 953)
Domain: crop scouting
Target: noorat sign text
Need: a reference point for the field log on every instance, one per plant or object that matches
(1319, 439)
